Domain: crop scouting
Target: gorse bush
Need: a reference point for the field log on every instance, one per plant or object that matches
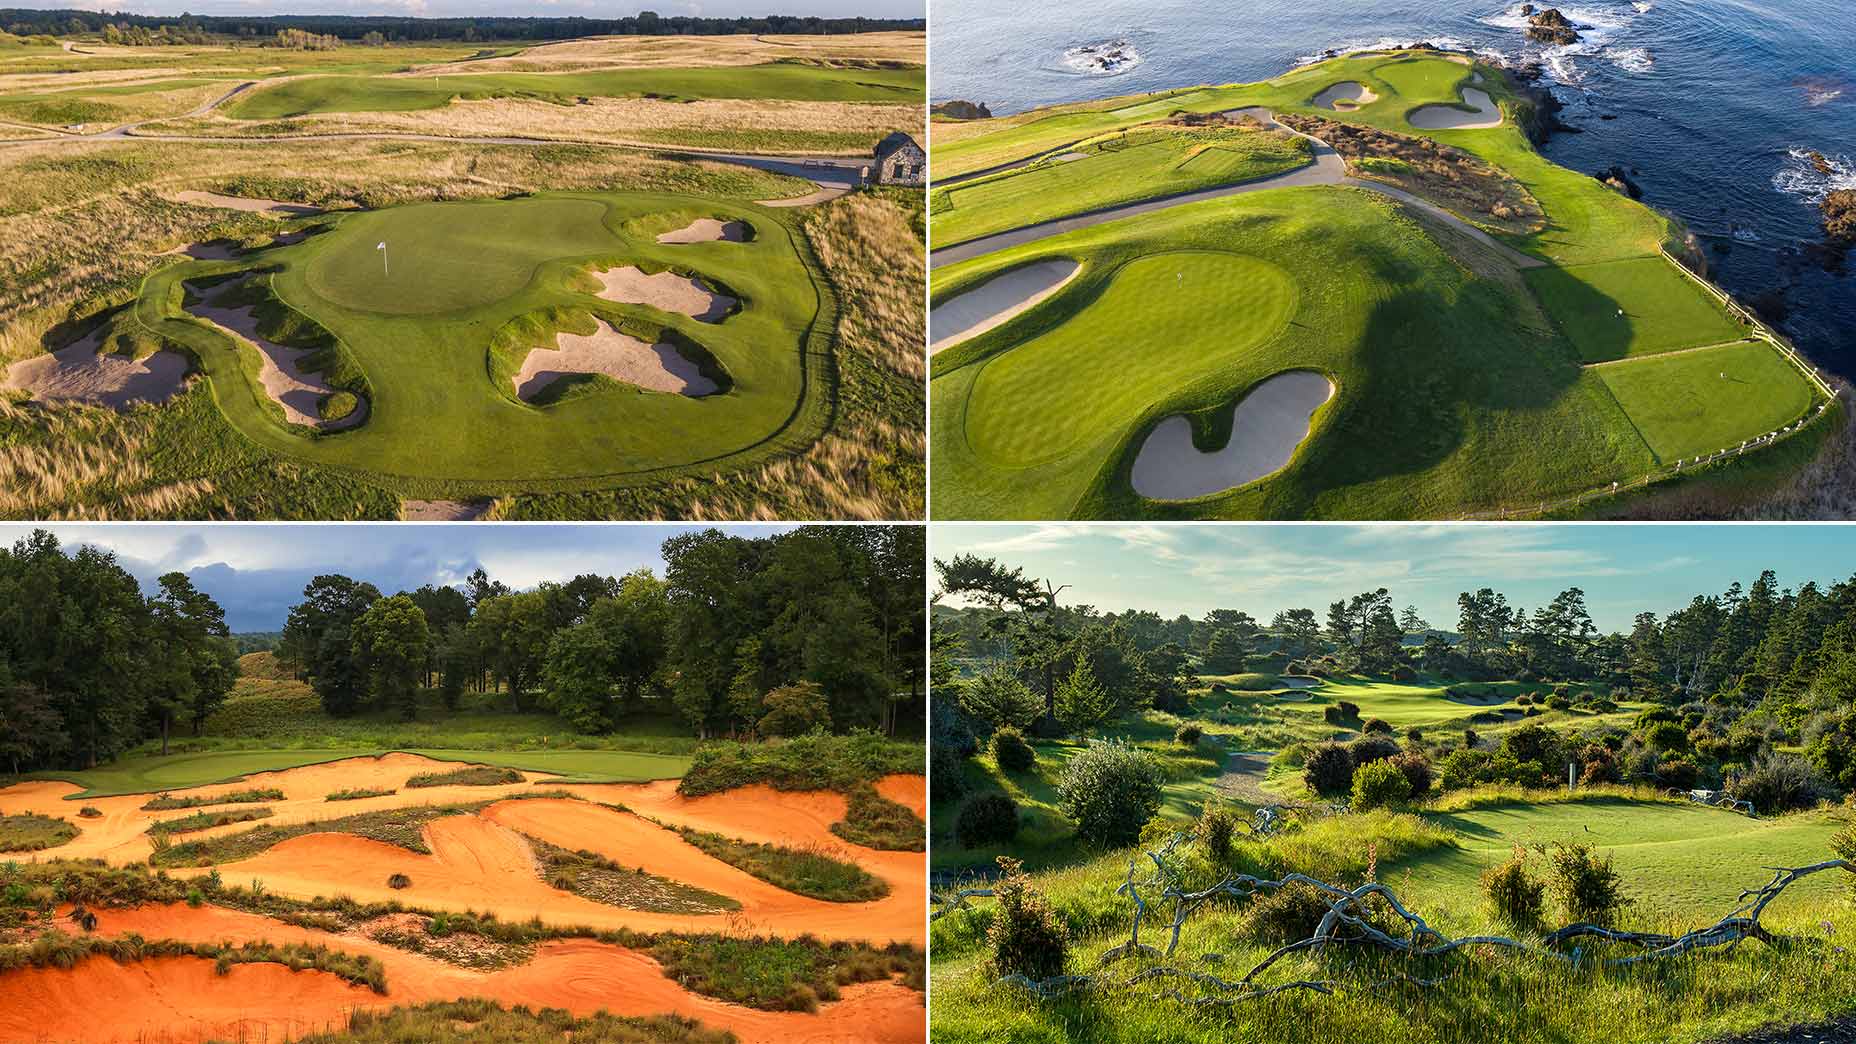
(1111, 790)
(1418, 772)
(1780, 783)
(1328, 770)
(1378, 784)
(1515, 896)
(1377, 727)
(1188, 734)
(1216, 827)
(988, 819)
(1285, 915)
(1025, 937)
(1587, 887)
(1011, 751)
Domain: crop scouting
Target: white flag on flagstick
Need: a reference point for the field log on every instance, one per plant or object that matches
(382, 247)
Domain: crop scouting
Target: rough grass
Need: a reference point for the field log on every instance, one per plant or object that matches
(593, 876)
(54, 949)
(816, 762)
(474, 776)
(809, 871)
(167, 802)
(457, 1022)
(206, 821)
(404, 827)
(874, 821)
(357, 794)
(30, 832)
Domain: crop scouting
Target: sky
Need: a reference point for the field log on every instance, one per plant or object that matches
(497, 8)
(1261, 569)
(257, 572)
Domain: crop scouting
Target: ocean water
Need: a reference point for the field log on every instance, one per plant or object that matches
(1713, 105)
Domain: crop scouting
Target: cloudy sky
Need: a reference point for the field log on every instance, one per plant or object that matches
(1623, 569)
(258, 571)
(506, 8)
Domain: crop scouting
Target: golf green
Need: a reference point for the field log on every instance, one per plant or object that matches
(438, 321)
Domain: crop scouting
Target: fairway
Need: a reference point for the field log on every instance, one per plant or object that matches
(1699, 402)
(1161, 322)
(437, 328)
(1620, 309)
(788, 81)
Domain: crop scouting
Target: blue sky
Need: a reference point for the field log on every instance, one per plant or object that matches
(504, 8)
(1260, 569)
(257, 572)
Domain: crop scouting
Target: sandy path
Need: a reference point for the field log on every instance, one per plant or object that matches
(824, 195)
(997, 301)
(1449, 117)
(442, 510)
(1270, 421)
(1244, 774)
(666, 291)
(708, 230)
(655, 367)
(77, 371)
(299, 392)
(267, 207)
(579, 975)
(1345, 96)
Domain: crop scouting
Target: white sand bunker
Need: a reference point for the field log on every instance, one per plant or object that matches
(1296, 681)
(665, 291)
(300, 393)
(268, 207)
(78, 372)
(997, 300)
(655, 367)
(1268, 424)
(708, 230)
(1347, 94)
(217, 250)
(1449, 117)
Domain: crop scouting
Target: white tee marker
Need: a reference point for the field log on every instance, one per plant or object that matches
(382, 247)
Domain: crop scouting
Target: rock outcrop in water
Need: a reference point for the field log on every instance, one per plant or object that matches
(1550, 26)
(1619, 179)
(1822, 163)
(962, 110)
(1839, 209)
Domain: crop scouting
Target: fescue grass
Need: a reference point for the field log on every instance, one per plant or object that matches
(167, 802)
(404, 827)
(30, 832)
(206, 821)
(811, 871)
(476, 776)
(357, 794)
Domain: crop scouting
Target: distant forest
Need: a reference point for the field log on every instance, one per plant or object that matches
(25, 22)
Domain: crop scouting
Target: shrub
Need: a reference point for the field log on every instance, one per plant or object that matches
(1515, 895)
(1011, 751)
(1780, 782)
(90, 812)
(1377, 727)
(947, 781)
(796, 709)
(1333, 716)
(1588, 889)
(1025, 937)
(1216, 827)
(1372, 748)
(1559, 703)
(1470, 739)
(336, 406)
(1523, 700)
(1678, 774)
(1378, 784)
(1666, 736)
(1188, 735)
(1328, 770)
(399, 881)
(989, 819)
(1417, 770)
(1843, 843)
(1288, 914)
(1348, 711)
(1111, 790)
(1404, 673)
(1414, 735)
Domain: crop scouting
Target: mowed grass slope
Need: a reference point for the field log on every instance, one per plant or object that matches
(1125, 168)
(1622, 309)
(443, 416)
(772, 81)
(1691, 403)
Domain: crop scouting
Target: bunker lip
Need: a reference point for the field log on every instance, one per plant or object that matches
(654, 367)
(78, 372)
(1449, 117)
(1345, 96)
(997, 300)
(581, 976)
(1272, 419)
(268, 207)
(298, 391)
(708, 230)
(665, 291)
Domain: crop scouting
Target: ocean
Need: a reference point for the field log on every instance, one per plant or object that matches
(1712, 105)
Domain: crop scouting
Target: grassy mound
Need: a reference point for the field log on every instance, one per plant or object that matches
(30, 832)
(167, 802)
(593, 876)
(451, 1022)
(808, 872)
(474, 776)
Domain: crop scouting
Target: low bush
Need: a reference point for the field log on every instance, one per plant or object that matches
(1215, 829)
(1418, 772)
(1372, 748)
(1011, 751)
(1188, 735)
(1559, 703)
(1515, 895)
(1025, 938)
(1285, 915)
(1588, 889)
(90, 812)
(399, 881)
(989, 819)
(1377, 727)
(1780, 783)
(1111, 790)
(1378, 784)
(1328, 770)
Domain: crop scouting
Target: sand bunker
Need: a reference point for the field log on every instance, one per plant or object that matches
(442, 510)
(654, 367)
(1268, 424)
(1449, 117)
(665, 291)
(180, 999)
(217, 250)
(298, 391)
(1290, 681)
(708, 230)
(1348, 94)
(267, 207)
(79, 372)
(996, 301)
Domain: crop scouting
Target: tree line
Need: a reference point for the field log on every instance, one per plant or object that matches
(819, 628)
(90, 666)
(157, 29)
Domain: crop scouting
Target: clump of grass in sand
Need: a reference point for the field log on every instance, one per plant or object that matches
(207, 820)
(464, 1020)
(874, 821)
(478, 776)
(55, 949)
(358, 793)
(167, 802)
(809, 871)
(593, 876)
(30, 832)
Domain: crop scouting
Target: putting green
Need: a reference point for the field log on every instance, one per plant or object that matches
(1161, 322)
(468, 287)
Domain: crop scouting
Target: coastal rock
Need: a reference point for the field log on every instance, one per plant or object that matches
(1839, 209)
(1550, 26)
(1527, 9)
(1822, 164)
(1617, 178)
(962, 110)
